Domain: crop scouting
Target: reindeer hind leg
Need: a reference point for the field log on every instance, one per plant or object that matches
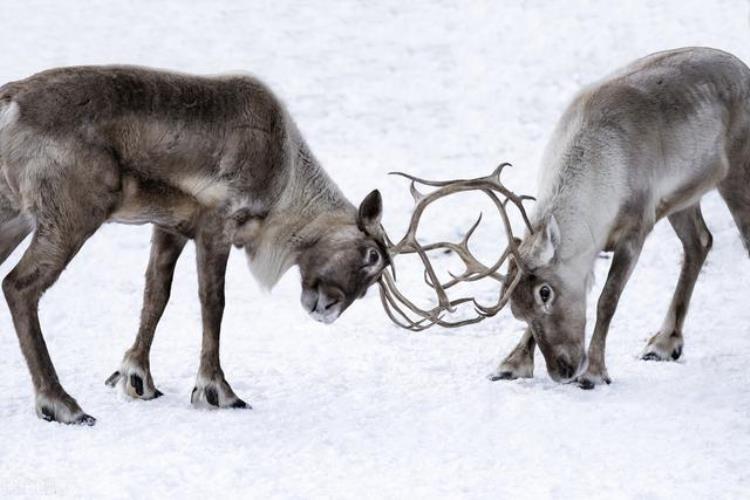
(49, 252)
(696, 241)
(69, 201)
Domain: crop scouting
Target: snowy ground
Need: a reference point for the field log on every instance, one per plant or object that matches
(361, 409)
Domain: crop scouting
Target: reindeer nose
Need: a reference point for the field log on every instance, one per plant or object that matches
(326, 302)
(564, 368)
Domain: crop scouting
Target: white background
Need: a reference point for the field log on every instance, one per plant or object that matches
(361, 409)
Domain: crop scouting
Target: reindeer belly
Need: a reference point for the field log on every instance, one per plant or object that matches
(153, 202)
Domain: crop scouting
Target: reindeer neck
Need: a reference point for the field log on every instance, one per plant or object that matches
(310, 205)
(585, 222)
(310, 194)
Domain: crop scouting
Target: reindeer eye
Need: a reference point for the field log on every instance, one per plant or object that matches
(545, 293)
(372, 257)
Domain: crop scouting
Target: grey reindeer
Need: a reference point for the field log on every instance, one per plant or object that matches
(646, 143)
(217, 160)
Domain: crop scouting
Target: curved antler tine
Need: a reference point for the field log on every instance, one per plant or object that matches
(471, 230)
(427, 182)
(456, 276)
(411, 177)
(402, 174)
(390, 304)
(505, 294)
(499, 171)
(415, 192)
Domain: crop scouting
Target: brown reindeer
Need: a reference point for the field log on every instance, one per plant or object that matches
(217, 160)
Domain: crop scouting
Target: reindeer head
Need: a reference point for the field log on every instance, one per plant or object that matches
(339, 252)
(343, 261)
(541, 289)
(551, 298)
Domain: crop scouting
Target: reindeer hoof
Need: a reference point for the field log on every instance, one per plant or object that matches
(586, 384)
(510, 374)
(62, 409)
(48, 415)
(664, 347)
(676, 353)
(504, 375)
(588, 381)
(239, 404)
(213, 394)
(513, 368)
(135, 381)
(86, 420)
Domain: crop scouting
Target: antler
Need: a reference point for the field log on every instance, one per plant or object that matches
(398, 307)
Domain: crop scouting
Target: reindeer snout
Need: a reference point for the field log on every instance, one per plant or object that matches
(324, 304)
(565, 368)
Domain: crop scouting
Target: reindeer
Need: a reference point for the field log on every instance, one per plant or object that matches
(216, 160)
(646, 143)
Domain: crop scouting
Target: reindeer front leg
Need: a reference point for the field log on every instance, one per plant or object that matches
(624, 260)
(135, 371)
(211, 388)
(519, 363)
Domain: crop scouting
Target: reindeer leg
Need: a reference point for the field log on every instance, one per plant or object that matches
(519, 363)
(211, 388)
(624, 260)
(54, 244)
(696, 243)
(134, 374)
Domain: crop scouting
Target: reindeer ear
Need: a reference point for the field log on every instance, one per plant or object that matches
(553, 232)
(370, 213)
(545, 247)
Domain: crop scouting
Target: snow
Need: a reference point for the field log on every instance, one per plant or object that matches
(361, 409)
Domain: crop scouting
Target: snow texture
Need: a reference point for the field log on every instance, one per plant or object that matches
(361, 409)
